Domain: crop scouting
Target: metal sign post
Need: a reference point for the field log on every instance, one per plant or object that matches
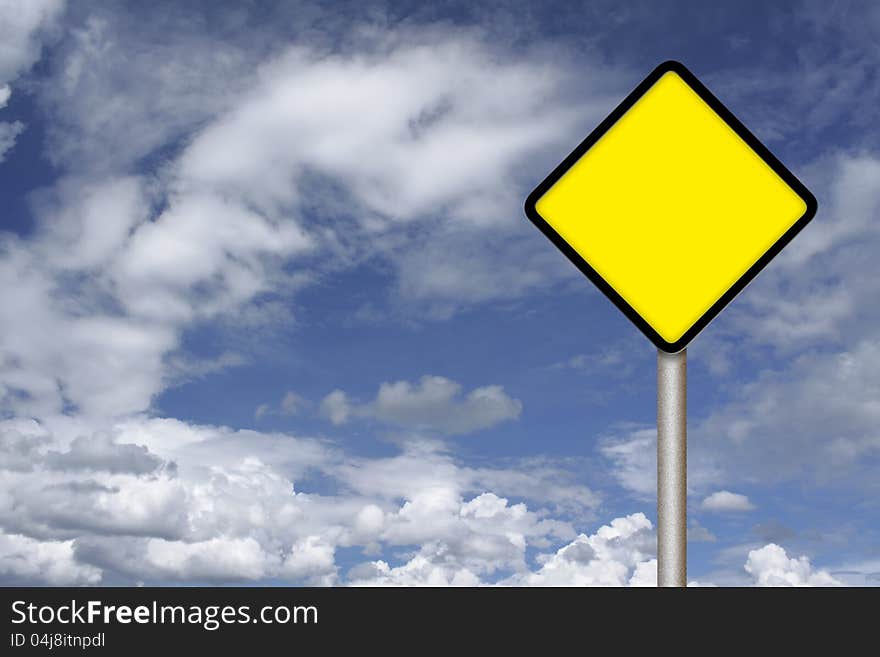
(672, 469)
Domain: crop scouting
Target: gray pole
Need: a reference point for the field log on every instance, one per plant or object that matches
(672, 469)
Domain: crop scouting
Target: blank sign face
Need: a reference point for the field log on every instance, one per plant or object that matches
(671, 206)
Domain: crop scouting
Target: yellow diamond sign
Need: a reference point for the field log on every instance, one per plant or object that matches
(671, 206)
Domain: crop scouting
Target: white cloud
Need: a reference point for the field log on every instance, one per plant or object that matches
(336, 407)
(618, 554)
(858, 572)
(426, 181)
(771, 566)
(448, 143)
(827, 432)
(26, 561)
(58, 355)
(84, 223)
(418, 571)
(101, 453)
(696, 533)
(448, 139)
(434, 403)
(483, 535)
(542, 478)
(645, 574)
(311, 559)
(291, 403)
(426, 465)
(159, 500)
(815, 292)
(213, 559)
(22, 26)
(201, 257)
(723, 501)
(457, 268)
(122, 85)
(8, 134)
(829, 426)
(634, 460)
(99, 299)
(165, 501)
(632, 453)
(123, 265)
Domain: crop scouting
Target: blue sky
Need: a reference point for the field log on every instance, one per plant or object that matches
(273, 314)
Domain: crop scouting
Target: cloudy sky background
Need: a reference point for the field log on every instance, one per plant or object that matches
(272, 313)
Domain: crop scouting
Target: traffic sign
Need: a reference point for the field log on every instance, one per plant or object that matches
(671, 206)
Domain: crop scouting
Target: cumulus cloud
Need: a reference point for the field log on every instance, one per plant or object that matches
(311, 559)
(99, 452)
(434, 403)
(215, 559)
(723, 501)
(159, 500)
(25, 561)
(771, 566)
(620, 553)
(231, 510)
(479, 537)
(610, 557)
(418, 571)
